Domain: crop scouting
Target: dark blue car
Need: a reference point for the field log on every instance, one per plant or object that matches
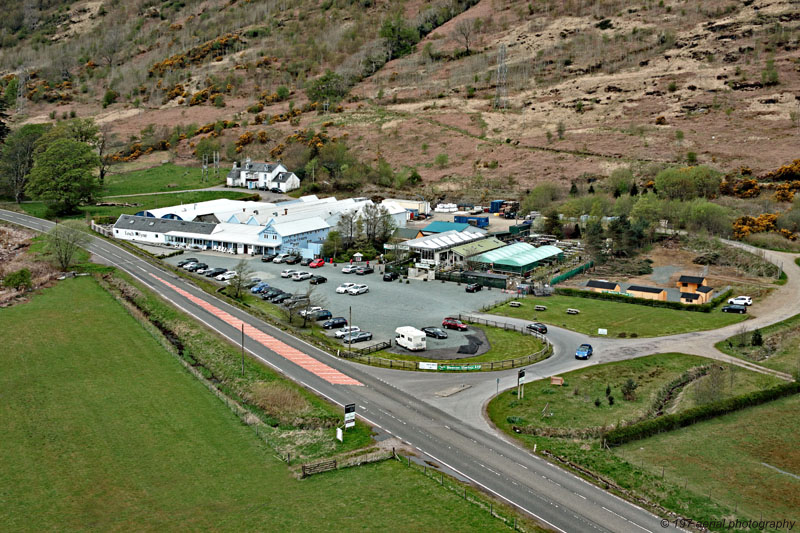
(584, 351)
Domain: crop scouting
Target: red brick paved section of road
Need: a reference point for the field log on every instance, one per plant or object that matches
(294, 355)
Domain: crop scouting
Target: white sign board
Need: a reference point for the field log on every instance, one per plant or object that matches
(349, 415)
(350, 424)
(339, 435)
(602, 331)
(428, 366)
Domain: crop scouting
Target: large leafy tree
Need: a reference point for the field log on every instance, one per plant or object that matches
(63, 175)
(16, 158)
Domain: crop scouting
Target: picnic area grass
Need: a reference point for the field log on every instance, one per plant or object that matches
(572, 405)
(726, 459)
(104, 430)
(163, 178)
(504, 344)
(148, 201)
(619, 318)
(780, 349)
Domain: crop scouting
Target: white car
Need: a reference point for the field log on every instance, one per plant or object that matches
(225, 276)
(343, 288)
(357, 289)
(310, 311)
(741, 300)
(342, 333)
(203, 270)
(189, 265)
(288, 273)
(349, 269)
(300, 276)
(280, 258)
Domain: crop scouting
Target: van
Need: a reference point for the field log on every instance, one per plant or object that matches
(410, 338)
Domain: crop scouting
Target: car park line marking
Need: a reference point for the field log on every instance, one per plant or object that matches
(329, 374)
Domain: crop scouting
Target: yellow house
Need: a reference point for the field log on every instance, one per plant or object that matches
(598, 285)
(648, 293)
(690, 283)
(691, 298)
(706, 293)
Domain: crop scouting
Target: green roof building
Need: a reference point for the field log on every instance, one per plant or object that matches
(465, 251)
(519, 258)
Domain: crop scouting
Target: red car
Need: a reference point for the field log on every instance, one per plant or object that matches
(454, 323)
(316, 263)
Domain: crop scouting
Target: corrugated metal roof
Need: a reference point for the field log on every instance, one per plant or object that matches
(448, 239)
(295, 227)
(162, 225)
(519, 254)
(478, 247)
(441, 226)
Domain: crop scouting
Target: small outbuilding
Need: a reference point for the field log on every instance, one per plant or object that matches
(690, 283)
(706, 293)
(647, 293)
(600, 285)
(690, 298)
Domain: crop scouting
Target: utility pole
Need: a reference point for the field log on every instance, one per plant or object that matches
(350, 331)
(242, 349)
(216, 165)
(204, 173)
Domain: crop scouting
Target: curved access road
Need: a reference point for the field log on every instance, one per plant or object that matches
(558, 499)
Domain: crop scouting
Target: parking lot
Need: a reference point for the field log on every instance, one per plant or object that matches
(387, 305)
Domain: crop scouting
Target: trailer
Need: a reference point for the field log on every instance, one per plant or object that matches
(410, 338)
(480, 222)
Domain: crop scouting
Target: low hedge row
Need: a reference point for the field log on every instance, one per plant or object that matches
(651, 427)
(702, 308)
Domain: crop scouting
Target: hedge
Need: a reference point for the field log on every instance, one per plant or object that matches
(651, 427)
(702, 308)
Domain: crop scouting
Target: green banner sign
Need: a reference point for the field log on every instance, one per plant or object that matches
(459, 367)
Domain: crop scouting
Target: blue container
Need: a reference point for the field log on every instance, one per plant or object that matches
(496, 206)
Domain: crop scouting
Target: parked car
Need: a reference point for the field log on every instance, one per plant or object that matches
(225, 276)
(349, 269)
(190, 264)
(280, 258)
(346, 331)
(316, 263)
(296, 300)
(741, 300)
(473, 287)
(343, 288)
(538, 327)
(186, 261)
(280, 298)
(276, 190)
(268, 258)
(203, 270)
(214, 272)
(194, 267)
(454, 323)
(306, 261)
(735, 308)
(436, 333)
(288, 273)
(358, 289)
(272, 294)
(300, 276)
(259, 288)
(584, 351)
(390, 276)
(360, 271)
(310, 310)
(357, 337)
(292, 259)
(335, 322)
(252, 282)
(322, 315)
(316, 280)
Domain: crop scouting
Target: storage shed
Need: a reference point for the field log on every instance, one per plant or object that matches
(519, 258)
(647, 293)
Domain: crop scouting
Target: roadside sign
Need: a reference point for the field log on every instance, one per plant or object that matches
(521, 376)
(602, 331)
(339, 435)
(428, 366)
(349, 415)
(459, 367)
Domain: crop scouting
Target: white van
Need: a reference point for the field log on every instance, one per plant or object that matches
(410, 338)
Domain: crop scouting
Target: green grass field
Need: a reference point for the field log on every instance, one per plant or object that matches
(616, 317)
(104, 430)
(504, 345)
(780, 351)
(724, 458)
(572, 405)
(164, 178)
(150, 201)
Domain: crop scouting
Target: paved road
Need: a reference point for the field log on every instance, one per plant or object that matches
(557, 498)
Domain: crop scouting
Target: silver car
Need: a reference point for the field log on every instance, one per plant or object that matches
(358, 289)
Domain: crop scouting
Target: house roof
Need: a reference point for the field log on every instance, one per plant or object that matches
(691, 279)
(283, 177)
(519, 254)
(478, 247)
(441, 226)
(642, 288)
(162, 225)
(259, 167)
(294, 227)
(600, 284)
(448, 239)
(405, 233)
(705, 288)
(689, 296)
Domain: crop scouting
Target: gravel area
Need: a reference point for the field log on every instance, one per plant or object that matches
(387, 305)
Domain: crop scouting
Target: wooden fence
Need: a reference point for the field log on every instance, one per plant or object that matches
(316, 468)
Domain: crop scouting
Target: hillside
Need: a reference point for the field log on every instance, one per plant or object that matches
(590, 85)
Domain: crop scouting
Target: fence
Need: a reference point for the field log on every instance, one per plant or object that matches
(316, 468)
(374, 348)
(574, 272)
(102, 230)
(467, 277)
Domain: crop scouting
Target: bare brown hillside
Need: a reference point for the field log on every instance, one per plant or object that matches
(590, 85)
